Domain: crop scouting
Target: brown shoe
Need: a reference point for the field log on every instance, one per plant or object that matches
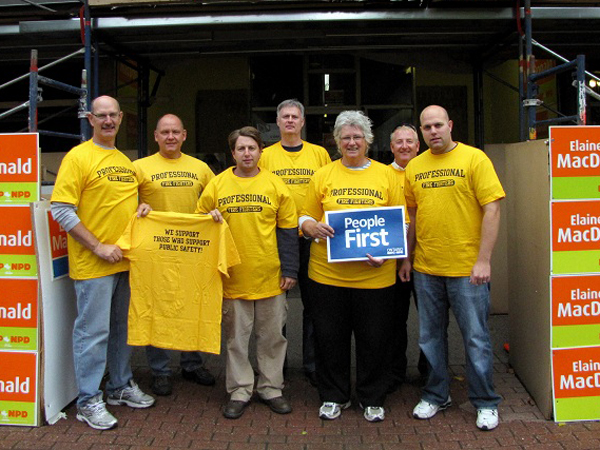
(234, 409)
(278, 405)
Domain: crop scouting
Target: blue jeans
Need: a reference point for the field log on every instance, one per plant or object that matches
(100, 335)
(159, 360)
(470, 305)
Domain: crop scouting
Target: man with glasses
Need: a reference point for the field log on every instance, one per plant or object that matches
(453, 196)
(295, 161)
(94, 197)
(404, 144)
(172, 181)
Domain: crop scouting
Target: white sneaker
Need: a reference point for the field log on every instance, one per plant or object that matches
(331, 410)
(94, 413)
(131, 395)
(487, 419)
(426, 410)
(374, 413)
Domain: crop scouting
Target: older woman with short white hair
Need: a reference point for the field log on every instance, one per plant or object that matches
(350, 297)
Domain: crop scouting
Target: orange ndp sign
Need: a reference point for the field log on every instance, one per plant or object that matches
(58, 238)
(19, 161)
(575, 300)
(575, 226)
(575, 151)
(19, 169)
(16, 234)
(575, 162)
(576, 372)
(18, 303)
(18, 377)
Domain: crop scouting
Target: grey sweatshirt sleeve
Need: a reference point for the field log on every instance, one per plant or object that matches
(289, 256)
(65, 214)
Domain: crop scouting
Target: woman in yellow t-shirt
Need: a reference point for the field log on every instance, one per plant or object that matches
(350, 297)
(262, 218)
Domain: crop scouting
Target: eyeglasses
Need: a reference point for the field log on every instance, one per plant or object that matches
(407, 125)
(113, 116)
(356, 138)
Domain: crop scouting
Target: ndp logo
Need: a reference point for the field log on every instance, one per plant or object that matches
(15, 267)
(19, 195)
(15, 339)
(12, 414)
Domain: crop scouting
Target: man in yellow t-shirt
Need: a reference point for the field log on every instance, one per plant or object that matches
(172, 181)
(295, 161)
(93, 199)
(453, 196)
(262, 218)
(404, 144)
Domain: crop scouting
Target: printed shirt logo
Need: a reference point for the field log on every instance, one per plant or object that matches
(439, 173)
(356, 196)
(118, 174)
(244, 198)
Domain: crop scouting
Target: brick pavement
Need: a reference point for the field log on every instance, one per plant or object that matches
(191, 419)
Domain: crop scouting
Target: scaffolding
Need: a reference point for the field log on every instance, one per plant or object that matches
(35, 91)
(528, 95)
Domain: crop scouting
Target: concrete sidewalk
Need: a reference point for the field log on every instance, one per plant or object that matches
(191, 418)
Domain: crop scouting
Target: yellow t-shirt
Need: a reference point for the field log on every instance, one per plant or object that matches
(400, 173)
(449, 191)
(253, 207)
(336, 187)
(101, 183)
(295, 168)
(171, 184)
(177, 264)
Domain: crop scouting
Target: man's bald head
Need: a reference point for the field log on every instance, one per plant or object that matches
(105, 118)
(434, 109)
(436, 128)
(170, 136)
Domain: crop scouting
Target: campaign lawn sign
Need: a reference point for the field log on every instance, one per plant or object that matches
(380, 232)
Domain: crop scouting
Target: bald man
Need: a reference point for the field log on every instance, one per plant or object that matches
(453, 196)
(94, 197)
(172, 181)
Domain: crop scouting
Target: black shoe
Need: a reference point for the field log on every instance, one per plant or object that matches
(234, 409)
(394, 386)
(162, 385)
(311, 377)
(278, 405)
(200, 376)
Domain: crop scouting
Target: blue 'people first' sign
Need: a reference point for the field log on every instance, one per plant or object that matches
(380, 232)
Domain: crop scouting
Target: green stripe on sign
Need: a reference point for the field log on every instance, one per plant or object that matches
(564, 188)
(576, 335)
(17, 413)
(581, 261)
(577, 408)
(18, 193)
(14, 338)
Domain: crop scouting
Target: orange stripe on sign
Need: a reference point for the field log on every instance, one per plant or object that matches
(18, 377)
(576, 300)
(18, 303)
(19, 158)
(575, 151)
(576, 225)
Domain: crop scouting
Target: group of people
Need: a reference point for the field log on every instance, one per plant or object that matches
(274, 200)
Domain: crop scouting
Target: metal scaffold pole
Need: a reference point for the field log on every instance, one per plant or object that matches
(33, 91)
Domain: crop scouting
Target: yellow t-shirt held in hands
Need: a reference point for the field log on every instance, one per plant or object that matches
(177, 264)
